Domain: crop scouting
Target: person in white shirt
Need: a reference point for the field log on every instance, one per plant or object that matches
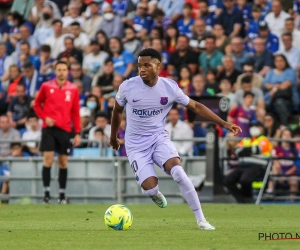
(81, 39)
(33, 133)
(276, 18)
(92, 24)
(74, 16)
(93, 62)
(57, 41)
(290, 28)
(291, 53)
(180, 130)
(101, 121)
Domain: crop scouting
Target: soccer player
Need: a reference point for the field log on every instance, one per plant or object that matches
(58, 105)
(148, 99)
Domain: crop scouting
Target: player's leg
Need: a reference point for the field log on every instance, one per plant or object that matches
(62, 176)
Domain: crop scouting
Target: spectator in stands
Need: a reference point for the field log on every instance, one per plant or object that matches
(19, 108)
(100, 122)
(199, 86)
(248, 70)
(45, 63)
(105, 78)
(243, 6)
(291, 53)
(5, 62)
(172, 9)
(231, 19)
(82, 95)
(222, 41)
(32, 79)
(185, 23)
(199, 33)
(4, 184)
(17, 150)
(272, 41)
(290, 28)
(229, 70)
(180, 130)
(263, 59)
(111, 24)
(285, 166)
(184, 56)
(239, 53)
(56, 41)
(243, 115)
(265, 7)
(102, 39)
(43, 29)
(252, 29)
(226, 91)
(76, 73)
(71, 53)
(157, 33)
(207, 16)
(160, 20)
(117, 81)
(92, 24)
(81, 39)
(33, 132)
(25, 54)
(131, 43)
(94, 61)
(276, 18)
(158, 45)
(4, 26)
(86, 125)
(211, 58)
(279, 86)
(212, 85)
(185, 80)
(7, 133)
(142, 22)
(93, 104)
(271, 127)
(25, 36)
(123, 59)
(15, 74)
(74, 16)
(172, 34)
(253, 154)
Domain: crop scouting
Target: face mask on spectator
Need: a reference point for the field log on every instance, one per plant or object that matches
(91, 105)
(11, 23)
(255, 131)
(108, 16)
(46, 16)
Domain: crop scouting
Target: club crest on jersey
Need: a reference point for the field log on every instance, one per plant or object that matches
(68, 96)
(163, 100)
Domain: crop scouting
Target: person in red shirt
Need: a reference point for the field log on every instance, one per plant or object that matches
(57, 104)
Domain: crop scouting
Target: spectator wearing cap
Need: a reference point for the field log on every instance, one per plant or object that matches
(25, 36)
(238, 52)
(272, 41)
(184, 55)
(276, 18)
(172, 9)
(248, 70)
(290, 28)
(56, 41)
(111, 24)
(92, 24)
(185, 23)
(101, 121)
(81, 39)
(85, 124)
(76, 73)
(211, 58)
(94, 61)
(229, 72)
(71, 53)
(74, 11)
(291, 53)
(207, 16)
(262, 58)
(32, 79)
(142, 22)
(231, 19)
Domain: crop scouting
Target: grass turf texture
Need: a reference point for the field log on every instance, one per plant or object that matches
(82, 227)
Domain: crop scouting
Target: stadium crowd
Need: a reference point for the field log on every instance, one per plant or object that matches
(247, 51)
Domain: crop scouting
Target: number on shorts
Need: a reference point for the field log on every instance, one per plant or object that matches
(134, 166)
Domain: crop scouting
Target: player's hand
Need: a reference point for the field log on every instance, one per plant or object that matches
(235, 129)
(76, 141)
(50, 122)
(115, 143)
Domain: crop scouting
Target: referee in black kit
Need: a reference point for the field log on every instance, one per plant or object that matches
(57, 104)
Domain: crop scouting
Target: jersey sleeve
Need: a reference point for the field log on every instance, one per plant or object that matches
(180, 97)
(121, 95)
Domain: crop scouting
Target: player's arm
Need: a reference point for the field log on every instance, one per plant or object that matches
(206, 113)
(115, 124)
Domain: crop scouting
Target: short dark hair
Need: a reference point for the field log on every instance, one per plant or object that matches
(188, 5)
(25, 43)
(28, 65)
(31, 114)
(13, 144)
(256, 8)
(75, 24)
(108, 60)
(154, 54)
(57, 21)
(246, 79)
(248, 93)
(101, 114)
(287, 34)
(46, 48)
(289, 19)
(99, 130)
(61, 62)
(21, 84)
(210, 37)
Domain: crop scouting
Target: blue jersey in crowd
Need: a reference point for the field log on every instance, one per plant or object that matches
(121, 62)
(140, 23)
(185, 29)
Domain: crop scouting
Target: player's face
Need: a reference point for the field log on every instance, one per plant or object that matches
(61, 72)
(148, 68)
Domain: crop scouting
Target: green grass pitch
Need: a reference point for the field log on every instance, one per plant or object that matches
(82, 227)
